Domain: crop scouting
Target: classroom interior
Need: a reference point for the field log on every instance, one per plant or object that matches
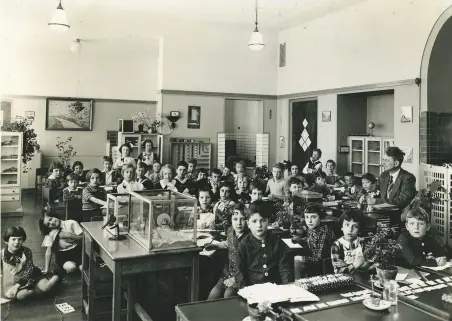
(349, 77)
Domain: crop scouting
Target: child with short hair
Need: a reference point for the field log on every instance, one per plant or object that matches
(239, 169)
(202, 181)
(320, 185)
(183, 183)
(62, 238)
(318, 240)
(277, 186)
(128, 183)
(148, 156)
(125, 150)
(21, 278)
(142, 169)
(215, 176)
(206, 216)
(192, 173)
(223, 208)
(261, 256)
(295, 186)
(93, 196)
(77, 170)
(368, 191)
(167, 182)
(226, 175)
(243, 189)
(418, 247)
(351, 188)
(109, 175)
(257, 191)
(347, 253)
(71, 192)
(332, 179)
(55, 182)
(155, 175)
(295, 172)
(226, 286)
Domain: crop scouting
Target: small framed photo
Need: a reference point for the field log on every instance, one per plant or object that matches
(194, 117)
(326, 116)
(406, 114)
(30, 114)
(344, 149)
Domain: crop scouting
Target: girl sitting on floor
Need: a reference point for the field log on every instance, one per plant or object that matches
(21, 278)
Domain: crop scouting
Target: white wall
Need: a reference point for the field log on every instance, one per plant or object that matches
(112, 74)
(376, 41)
(89, 145)
(380, 111)
(327, 131)
(217, 59)
(244, 116)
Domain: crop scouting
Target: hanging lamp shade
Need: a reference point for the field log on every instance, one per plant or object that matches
(256, 41)
(59, 20)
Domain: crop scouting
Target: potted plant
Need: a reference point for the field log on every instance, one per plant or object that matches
(143, 118)
(20, 124)
(262, 174)
(382, 250)
(65, 153)
(425, 198)
(259, 311)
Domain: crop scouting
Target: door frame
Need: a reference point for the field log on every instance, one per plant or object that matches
(291, 102)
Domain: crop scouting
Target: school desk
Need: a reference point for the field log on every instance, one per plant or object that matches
(127, 259)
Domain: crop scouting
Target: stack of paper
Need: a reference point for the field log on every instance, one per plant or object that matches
(276, 293)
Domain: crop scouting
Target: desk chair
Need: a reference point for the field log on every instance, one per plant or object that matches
(74, 210)
(40, 180)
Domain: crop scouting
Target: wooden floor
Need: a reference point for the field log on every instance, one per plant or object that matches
(42, 308)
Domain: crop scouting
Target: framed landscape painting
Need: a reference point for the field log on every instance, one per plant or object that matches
(69, 114)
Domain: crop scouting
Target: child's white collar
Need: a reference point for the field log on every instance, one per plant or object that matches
(347, 245)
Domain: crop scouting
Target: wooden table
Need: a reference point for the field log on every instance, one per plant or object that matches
(125, 259)
(231, 309)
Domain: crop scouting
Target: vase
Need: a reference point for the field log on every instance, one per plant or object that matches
(254, 313)
(152, 131)
(140, 128)
(387, 274)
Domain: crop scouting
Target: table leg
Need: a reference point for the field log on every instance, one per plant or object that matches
(117, 292)
(130, 298)
(83, 287)
(92, 282)
(195, 278)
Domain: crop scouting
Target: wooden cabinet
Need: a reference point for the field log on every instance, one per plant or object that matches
(11, 171)
(184, 149)
(136, 140)
(367, 154)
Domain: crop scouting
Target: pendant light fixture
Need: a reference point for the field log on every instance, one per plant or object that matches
(59, 21)
(256, 40)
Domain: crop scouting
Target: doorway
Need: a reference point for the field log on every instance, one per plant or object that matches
(304, 131)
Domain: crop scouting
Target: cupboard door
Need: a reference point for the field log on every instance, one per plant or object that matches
(357, 156)
(373, 156)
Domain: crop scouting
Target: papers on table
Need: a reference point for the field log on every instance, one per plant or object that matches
(276, 293)
(383, 206)
(332, 203)
(291, 244)
(439, 268)
(204, 242)
(401, 276)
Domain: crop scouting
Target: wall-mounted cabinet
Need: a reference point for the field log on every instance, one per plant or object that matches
(367, 154)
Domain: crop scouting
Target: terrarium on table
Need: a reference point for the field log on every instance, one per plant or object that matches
(117, 214)
(160, 219)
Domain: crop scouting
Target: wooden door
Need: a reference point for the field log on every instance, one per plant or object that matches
(304, 131)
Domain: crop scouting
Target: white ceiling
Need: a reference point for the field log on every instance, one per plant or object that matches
(24, 22)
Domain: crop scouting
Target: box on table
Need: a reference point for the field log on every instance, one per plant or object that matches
(157, 219)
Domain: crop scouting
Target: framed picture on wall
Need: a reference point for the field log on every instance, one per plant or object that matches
(69, 114)
(326, 116)
(194, 117)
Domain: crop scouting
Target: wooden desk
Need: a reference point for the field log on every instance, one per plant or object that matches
(125, 259)
(231, 309)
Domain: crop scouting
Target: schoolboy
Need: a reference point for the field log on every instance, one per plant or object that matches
(201, 182)
(347, 252)
(109, 176)
(226, 286)
(214, 180)
(142, 168)
(226, 175)
(183, 183)
(257, 191)
(277, 186)
(419, 248)
(239, 169)
(223, 208)
(320, 185)
(368, 189)
(295, 172)
(295, 187)
(319, 239)
(70, 194)
(154, 176)
(261, 256)
(350, 185)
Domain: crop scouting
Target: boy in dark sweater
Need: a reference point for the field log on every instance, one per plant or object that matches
(261, 256)
(419, 248)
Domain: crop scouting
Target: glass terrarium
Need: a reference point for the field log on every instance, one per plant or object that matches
(117, 213)
(161, 219)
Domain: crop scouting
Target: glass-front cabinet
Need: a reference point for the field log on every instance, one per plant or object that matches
(10, 175)
(367, 154)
